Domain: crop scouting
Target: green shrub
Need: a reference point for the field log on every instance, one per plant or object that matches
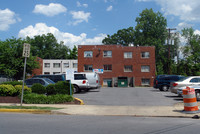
(63, 87)
(38, 88)
(33, 98)
(13, 83)
(19, 89)
(7, 90)
(51, 89)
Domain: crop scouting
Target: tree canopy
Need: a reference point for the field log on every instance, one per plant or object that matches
(43, 46)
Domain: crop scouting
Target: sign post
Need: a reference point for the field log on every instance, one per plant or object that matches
(70, 76)
(26, 53)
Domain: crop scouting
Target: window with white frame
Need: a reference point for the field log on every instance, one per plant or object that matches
(88, 67)
(127, 54)
(145, 82)
(75, 65)
(145, 68)
(47, 65)
(66, 65)
(145, 55)
(107, 53)
(56, 65)
(128, 68)
(88, 54)
(107, 67)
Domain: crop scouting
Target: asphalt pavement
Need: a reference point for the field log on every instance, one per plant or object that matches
(174, 110)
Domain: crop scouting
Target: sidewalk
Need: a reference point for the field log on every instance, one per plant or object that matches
(139, 111)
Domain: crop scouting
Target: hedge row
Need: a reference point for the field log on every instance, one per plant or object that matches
(10, 90)
(34, 98)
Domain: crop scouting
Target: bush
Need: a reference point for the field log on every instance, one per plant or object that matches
(51, 89)
(38, 88)
(19, 89)
(13, 83)
(63, 87)
(7, 90)
(33, 98)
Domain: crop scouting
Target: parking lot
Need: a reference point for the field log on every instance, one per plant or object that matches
(132, 96)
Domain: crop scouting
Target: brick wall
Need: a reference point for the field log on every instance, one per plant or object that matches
(38, 71)
(118, 61)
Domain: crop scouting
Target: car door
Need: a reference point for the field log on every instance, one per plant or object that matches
(194, 81)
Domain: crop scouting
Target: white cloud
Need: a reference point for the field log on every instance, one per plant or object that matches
(68, 38)
(81, 5)
(7, 17)
(50, 10)
(79, 17)
(183, 25)
(187, 10)
(109, 8)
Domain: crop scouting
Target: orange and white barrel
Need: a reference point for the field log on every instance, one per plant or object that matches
(189, 99)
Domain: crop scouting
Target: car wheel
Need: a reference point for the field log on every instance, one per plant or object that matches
(197, 93)
(76, 89)
(165, 88)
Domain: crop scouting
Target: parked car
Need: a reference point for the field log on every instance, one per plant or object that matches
(163, 81)
(79, 82)
(196, 88)
(187, 81)
(44, 81)
(53, 77)
(93, 80)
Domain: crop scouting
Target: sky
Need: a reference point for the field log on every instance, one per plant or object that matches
(86, 22)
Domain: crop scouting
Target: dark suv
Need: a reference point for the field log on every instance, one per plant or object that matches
(163, 81)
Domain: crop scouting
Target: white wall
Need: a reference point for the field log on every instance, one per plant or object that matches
(61, 69)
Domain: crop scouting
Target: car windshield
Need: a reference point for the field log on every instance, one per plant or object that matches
(49, 81)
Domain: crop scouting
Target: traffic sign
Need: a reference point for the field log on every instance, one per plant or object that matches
(26, 50)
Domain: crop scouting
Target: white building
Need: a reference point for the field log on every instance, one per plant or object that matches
(55, 66)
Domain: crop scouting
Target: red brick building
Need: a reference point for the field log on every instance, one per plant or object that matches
(123, 65)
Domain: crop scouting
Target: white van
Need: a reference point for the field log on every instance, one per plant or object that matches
(93, 80)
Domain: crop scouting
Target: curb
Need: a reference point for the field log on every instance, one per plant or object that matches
(81, 101)
(33, 111)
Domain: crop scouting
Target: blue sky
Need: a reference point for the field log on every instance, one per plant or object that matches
(79, 22)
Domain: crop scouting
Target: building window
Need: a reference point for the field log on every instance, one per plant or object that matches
(47, 65)
(107, 53)
(88, 54)
(46, 72)
(107, 67)
(145, 82)
(56, 65)
(88, 67)
(56, 72)
(128, 68)
(74, 65)
(145, 55)
(145, 68)
(127, 54)
(66, 65)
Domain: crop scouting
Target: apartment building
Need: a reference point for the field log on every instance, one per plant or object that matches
(54, 66)
(122, 65)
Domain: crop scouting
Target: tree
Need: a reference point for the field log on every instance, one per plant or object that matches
(123, 37)
(73, 54)
(151, 31)
(191, 52)
(11, 60)
(47, 47)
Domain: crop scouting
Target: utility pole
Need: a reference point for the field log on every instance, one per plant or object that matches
(169, 43)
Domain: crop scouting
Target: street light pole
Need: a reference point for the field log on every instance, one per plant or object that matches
(168, 43)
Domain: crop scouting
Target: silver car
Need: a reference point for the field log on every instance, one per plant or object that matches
(44, 81)
(196, 88)
(187, 81)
